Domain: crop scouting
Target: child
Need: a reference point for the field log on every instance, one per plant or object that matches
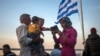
(34, 32)
(33, 29)
(41, 23)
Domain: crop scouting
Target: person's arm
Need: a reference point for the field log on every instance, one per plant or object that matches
(55, 38)
(45, 29)
(22, 35)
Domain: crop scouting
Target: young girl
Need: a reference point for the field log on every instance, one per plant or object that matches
(41, 23)
(34, 31)
(33, 28)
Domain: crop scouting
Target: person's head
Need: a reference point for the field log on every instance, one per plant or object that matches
(25, 18)
(41, 22)
(65, 22)
(35, 19)
(6, 48)
(93, 30)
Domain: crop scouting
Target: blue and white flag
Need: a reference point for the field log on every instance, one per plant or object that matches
(67, 8)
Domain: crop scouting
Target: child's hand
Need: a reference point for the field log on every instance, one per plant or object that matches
(59, 33)
(53, 33)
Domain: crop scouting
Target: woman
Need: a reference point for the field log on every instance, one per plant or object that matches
(67, 38)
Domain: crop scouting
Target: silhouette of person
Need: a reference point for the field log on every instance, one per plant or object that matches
(7, 51)
(92, 45)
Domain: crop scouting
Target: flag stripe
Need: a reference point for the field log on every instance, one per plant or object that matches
(66, 4)
(74, 10)
(66, 10)
(63, 4)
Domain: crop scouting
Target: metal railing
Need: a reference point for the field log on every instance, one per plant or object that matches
(18, 49)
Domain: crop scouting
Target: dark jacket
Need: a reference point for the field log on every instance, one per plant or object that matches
(10, 54)
(92, 46)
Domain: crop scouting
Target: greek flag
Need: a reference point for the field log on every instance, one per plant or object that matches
(67, 8)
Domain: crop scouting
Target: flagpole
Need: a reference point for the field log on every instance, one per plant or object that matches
(82, 22)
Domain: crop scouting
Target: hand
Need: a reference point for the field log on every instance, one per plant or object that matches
(41, 40)
(58, 32)
(53, 33)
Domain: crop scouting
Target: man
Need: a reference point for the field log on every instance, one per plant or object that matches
(21, 32)
(7, 51)
(92, 46)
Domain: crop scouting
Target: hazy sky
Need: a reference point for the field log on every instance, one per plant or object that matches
(10, 11)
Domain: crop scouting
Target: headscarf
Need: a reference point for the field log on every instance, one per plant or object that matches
(93, 30)
(67, 21)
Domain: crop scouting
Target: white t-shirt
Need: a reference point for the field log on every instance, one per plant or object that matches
(21, 32)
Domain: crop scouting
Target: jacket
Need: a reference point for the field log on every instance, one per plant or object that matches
(92, 46)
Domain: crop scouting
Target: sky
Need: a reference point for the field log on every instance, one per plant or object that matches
(10, 11)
